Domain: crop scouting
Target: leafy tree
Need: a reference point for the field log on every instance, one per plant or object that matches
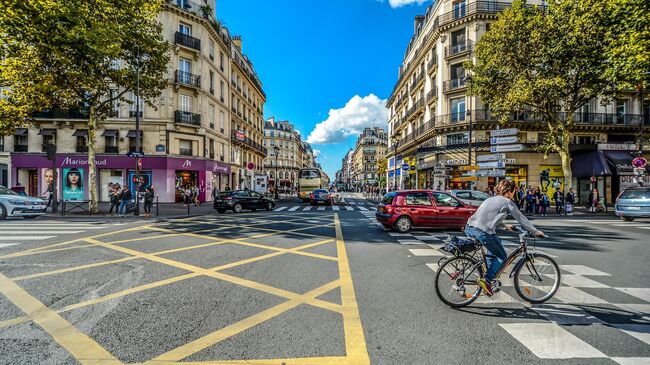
(79, 54)
(382, 167)
(548, 61)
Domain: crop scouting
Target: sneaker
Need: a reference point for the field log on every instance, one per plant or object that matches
(487, 288)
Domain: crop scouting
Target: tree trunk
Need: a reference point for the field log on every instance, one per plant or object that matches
(92, 178)
(563, 151)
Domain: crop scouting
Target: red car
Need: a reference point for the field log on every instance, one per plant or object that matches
(404, 210)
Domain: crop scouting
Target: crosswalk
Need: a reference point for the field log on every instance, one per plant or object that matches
(637, 224)
(357, 205)
(16, 232)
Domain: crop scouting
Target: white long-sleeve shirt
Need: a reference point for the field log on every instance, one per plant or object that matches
(493, 211)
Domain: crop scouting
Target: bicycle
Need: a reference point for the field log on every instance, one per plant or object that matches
(461, 272)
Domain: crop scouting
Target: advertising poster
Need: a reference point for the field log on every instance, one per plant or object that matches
(73, 184)
(550, 178)
(47, 177)
(145, 180)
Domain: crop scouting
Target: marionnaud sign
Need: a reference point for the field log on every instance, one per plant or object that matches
(507, 148)
(503, 132)
(504, 140)
(492, 165)
(495, 157)
(494, 173)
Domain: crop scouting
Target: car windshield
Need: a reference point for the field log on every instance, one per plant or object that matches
(479, 195)
(225, 194)
(388, 198)
(5, 191)
(320, 191)
(635, 194)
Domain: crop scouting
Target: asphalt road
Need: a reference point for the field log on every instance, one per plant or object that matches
(306, 287)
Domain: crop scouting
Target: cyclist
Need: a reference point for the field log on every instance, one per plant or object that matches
(482, 226)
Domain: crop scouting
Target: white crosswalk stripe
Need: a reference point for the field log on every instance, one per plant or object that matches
(13, 233)
(363, 208)
(293, 209)
(321, 208)
(25, 238)
(279, 209)
(335, 207)
(550, 341)
(307, 207)
(583, 270)
(347, 207)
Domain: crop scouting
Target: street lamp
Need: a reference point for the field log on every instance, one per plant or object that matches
(276, 150)
(138, 156)
(468, 81)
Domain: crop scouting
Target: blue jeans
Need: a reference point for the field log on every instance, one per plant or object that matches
(496, 256)
(123, 205)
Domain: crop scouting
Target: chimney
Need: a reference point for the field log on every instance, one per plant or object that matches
(236, 40)
(417, 22)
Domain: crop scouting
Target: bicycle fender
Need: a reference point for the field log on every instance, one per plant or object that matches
(519, 263)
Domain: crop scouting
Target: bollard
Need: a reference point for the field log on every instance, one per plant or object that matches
(188, 208)
(157, 205)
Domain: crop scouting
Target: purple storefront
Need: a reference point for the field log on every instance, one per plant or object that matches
(168, 175)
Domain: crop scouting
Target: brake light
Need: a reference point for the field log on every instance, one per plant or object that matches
(227, 198)
(388, 209)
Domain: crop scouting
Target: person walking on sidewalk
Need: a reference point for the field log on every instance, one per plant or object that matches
(558, 197)
(570, 200)
(124, 202)
(114, 197)
(544, 203)
(593, 200)
(148, 201)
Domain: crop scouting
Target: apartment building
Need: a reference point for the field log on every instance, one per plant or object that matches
(369, 149)
(285, 153)
(308, 158)
(206, 129)
(432, 120)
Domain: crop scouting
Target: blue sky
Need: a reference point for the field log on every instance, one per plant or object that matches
(316, 56)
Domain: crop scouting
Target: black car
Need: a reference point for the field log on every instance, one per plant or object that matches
(238, 200)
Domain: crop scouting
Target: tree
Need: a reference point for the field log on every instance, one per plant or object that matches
(548, 61)
(382, 167)
(79, 54)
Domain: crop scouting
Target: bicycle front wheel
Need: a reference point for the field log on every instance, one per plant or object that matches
(538, 279)
(456, 282)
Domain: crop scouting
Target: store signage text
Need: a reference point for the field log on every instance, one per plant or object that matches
(504, 140)
(495, 157)
(492, 165)
(456, 162)
(507, 148)
(617, 147)
(187, 163)
(494, 173)
(503, 132)
(82, 161)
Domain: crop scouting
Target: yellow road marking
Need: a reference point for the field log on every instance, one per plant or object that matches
(82, 347)
(204, 342)
(355, 343)
(71, 269)
(328, 360)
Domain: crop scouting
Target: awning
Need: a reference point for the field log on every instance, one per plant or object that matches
(80, 133)
(620, 161)
(110, 133)
(590, 164)
(20, 132)
(47, 132)
(131, 134)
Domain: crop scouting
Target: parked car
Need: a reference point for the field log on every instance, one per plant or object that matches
(14, 205)
(403, 210)
(238, 200)
(320, 196)
(633, 203)
(471, 197)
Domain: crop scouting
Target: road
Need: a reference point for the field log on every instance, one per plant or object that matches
(295, 286)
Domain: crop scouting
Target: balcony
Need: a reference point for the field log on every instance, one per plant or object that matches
(111, 149)
(187, 118)
(418, 79)
(453, 85)
(187, 79)
(468, 9)
(187, 41)
(432, 94)
(62, 114)
(242, 140)
(458, 49)
(132, 113)
(431, 65)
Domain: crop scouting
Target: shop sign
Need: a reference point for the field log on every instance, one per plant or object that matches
(494, 157)
(468, 168)
(240, 136)
(492, 173)
(632, 181)
(160, 148)
(617, 146)
(467, 178)
(492, 165)
(507, 148)
(81, 161)
(510, 161)
(503, 132)
(412, 167)
(504, 140)
(469, 173)
(551, 178)
(456, 162)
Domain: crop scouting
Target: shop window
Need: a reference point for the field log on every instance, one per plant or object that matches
(185, 147)
(585, 139)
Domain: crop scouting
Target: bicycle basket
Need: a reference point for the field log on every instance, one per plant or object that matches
(457, 246)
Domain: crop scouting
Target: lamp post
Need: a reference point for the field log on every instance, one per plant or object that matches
(276, 150)
(137, 182)
(468, 81)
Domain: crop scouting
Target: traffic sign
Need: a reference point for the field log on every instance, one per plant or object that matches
(640, 162)
(495, 157)
(493, 173)
(507, 148)
(468, 168)
(250, 166)
(504, 140)
(405, 167)
(135, 154)
(492, 165)
(503, 132)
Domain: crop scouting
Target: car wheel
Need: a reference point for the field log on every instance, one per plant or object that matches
(403, 224)
(3, 212)
(222, 211)
(237, 208)
(627, 219)
(269, 206)
(30, 216)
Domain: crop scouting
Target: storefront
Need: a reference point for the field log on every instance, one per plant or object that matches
(4, 169)
(165, 174)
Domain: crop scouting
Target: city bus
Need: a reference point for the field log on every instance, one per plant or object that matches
(309, 180)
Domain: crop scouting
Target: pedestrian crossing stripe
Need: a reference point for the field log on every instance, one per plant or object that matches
(550, 341)
(280, 209)
(293, 209)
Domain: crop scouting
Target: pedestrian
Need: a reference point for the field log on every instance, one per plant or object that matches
(148, 201)
(530, 202)
(537, 200)
(522, 197)
(50, 193)
(592, 201)
(227, 188)
(114, 197)
(570, 200)
(125, 198)
(215, 193)
(187, 195)
(195, 195)
(558, 197)
(544, 203)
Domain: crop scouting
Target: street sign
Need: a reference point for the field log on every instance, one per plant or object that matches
(640, 162)
(468, 168)
(250, 166)
(405, 167)
(504, 140)
(412, 168)
(507, 148)
(135, 154)
(469, 178)
(493, 173)
(503, 132)
(469, 173)
(492, 165)
(495, 157)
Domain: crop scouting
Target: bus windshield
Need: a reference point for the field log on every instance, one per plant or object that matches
(309, 174)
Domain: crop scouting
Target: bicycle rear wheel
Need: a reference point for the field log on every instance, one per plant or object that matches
(456, 281)
(538, 279)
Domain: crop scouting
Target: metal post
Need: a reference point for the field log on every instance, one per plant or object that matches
(137, 137)
(157, 205)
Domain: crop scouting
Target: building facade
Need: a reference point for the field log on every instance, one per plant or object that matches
(203, 132)
(369, 149)
(285, 153)
(433, 122)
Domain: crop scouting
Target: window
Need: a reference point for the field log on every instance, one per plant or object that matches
(457, 72)
(110, 143)
(464, 195)
(185, 147)
(115, 108)
(211, 116)
(457, 138)
(211, 82)
(221, 95)
(222, 151)
(459, 9)
(82, 143)
(584, 139)
(457, 38)
(621, 107)
(445, 200)
(134, 99)
(457, 109)
(186, 103)
(185, 29)
(418, 199)
(211, 50)
(221, 60)
(49, 139)
(255, 194)
(185, 65)
(211, 148)
(222, 121)
(2, 143)
(242, 194)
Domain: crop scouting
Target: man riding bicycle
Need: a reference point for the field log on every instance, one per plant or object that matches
(482, 227)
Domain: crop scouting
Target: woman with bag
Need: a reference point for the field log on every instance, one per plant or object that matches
(148, 201)
(570, 200)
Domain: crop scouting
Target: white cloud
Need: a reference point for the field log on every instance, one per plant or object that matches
(398, 3)
(350, 120)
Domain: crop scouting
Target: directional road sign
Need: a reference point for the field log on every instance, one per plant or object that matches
(495, 157)
(494, 173)
(492, 165)
(507, 148)
(503, 132)
(504, 140)
(468, 168)
(135, 154)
